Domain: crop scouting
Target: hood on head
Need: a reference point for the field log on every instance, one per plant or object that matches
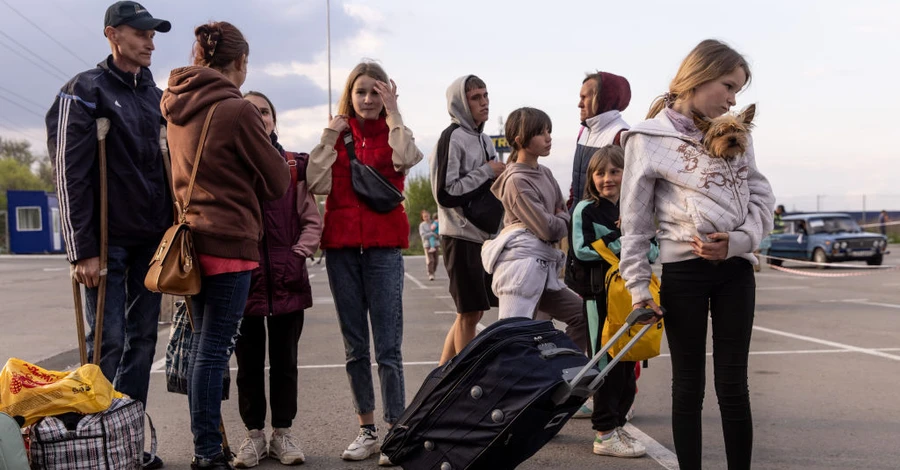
(615, 93)
(458, 105)
(192, 90)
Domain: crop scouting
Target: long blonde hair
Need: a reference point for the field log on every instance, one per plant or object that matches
(369, 69)
(603, 156)
(710, 60)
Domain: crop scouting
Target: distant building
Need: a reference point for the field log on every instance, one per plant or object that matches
(33, 222)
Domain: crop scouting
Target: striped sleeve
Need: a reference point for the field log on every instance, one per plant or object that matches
(72, 143)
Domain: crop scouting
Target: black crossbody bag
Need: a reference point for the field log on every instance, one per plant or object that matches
(370, 186)
(485, 211)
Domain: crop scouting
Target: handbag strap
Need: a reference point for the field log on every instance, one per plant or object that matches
(350, 146)
(187, 199)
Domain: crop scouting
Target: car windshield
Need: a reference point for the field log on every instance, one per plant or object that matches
(834, 225)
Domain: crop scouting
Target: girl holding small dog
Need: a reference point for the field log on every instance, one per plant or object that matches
(596, 217)
(712, 213)
(523, 260)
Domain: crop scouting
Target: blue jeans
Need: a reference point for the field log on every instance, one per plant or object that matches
(218, 309)
(367, 287)
(130, 321)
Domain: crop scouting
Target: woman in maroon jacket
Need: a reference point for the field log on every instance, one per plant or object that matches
(364, 263)
(279, 292)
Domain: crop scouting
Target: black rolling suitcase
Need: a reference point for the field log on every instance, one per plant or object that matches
(501, 399)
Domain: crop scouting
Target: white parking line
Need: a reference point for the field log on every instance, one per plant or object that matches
(833, 344)
(866, 302)
(317, 366)
(159, 365)
(655, 450)
(415, 281)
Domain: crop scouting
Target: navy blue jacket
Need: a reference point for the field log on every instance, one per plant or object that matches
(140, 207)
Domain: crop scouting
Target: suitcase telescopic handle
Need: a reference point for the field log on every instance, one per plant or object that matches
(639, 315)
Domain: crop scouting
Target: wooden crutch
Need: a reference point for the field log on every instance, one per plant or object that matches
(102, 131)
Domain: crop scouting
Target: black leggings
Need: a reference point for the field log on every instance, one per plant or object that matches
(614, 398)
(691, 291)
(283, 337)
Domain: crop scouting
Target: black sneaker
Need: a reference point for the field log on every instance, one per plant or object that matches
(153, 463)
(220, 462)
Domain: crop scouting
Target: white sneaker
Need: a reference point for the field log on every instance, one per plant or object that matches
(252, 450)
(365, 444)
(284, 447)
(385, 461)
(586, 410)
(620, 444)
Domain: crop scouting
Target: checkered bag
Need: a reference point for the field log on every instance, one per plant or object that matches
(109, 440)
(178, 353)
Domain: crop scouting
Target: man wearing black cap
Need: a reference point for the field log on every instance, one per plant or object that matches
(121, 89)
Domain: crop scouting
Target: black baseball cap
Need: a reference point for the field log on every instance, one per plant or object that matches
(135, 15)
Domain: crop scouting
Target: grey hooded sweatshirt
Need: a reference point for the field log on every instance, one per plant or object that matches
(459, 168)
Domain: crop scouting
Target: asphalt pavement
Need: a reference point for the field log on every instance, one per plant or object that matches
(824, 370)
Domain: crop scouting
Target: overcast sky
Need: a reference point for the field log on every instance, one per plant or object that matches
(823, 74)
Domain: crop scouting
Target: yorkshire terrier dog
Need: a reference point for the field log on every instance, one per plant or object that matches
(727, 135)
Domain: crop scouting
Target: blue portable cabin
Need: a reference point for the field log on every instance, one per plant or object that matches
(33, 222)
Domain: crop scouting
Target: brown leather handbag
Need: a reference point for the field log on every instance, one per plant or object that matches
(175, 269)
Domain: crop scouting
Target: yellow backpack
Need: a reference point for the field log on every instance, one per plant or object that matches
(619, 306)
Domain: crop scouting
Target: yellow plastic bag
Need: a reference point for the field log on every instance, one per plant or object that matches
(33, 392)
(618, 307)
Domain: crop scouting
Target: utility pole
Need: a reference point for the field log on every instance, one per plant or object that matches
(502, 133)
(819, 202)
(328, 49)
(864, 210)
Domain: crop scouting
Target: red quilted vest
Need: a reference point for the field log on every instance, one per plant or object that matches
(349, 223)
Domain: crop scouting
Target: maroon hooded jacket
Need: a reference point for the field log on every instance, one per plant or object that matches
(292, 228)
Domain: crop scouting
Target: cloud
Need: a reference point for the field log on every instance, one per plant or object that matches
(279, 31)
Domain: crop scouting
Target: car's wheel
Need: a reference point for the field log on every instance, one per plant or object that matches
(819, 256)
(875, 260)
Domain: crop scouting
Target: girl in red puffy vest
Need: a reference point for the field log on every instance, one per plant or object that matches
(364, 262)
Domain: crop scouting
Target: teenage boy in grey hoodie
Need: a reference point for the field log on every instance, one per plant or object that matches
(463, 166)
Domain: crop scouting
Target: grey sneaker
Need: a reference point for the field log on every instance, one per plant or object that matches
(252, 450)
(630, 413)
(365, 444)
(285, 447)
(586, 410)
(385, 461)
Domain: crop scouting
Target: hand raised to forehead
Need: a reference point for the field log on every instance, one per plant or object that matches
(388, 96)
(338, 123)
